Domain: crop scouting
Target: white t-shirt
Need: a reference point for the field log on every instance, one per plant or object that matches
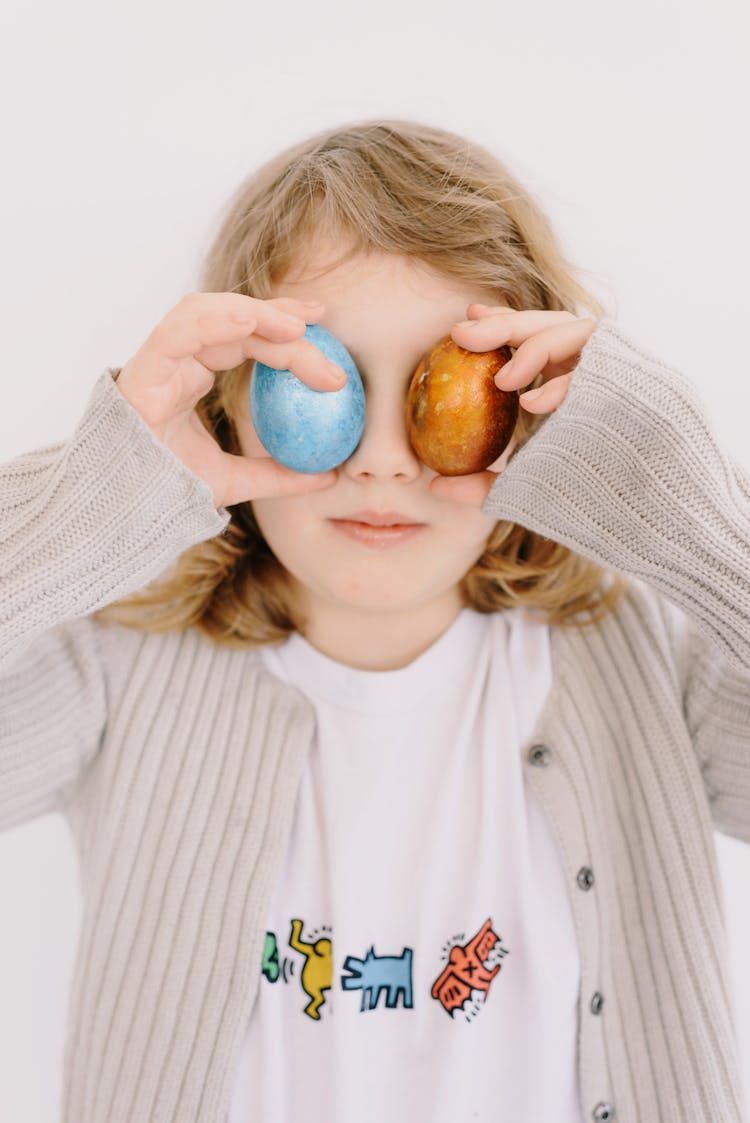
(420, 958)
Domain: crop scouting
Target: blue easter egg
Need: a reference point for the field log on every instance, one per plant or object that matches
(305, 429)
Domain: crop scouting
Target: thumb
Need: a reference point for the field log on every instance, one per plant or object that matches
(261, 477)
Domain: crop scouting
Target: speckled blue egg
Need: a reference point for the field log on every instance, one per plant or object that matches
(305, 429)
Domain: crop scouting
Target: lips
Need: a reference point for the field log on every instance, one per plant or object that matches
(375, 537)
(379, 518)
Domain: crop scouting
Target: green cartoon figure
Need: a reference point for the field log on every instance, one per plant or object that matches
(270, 962)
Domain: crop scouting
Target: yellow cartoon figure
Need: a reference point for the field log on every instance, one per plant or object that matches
(317, 973)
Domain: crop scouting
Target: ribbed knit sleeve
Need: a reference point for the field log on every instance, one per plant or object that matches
(628, 472)
(82, 523)
(89, 520)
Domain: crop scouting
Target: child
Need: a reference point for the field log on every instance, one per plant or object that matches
(386, 824)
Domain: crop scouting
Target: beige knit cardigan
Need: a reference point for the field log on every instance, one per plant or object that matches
(176, 762)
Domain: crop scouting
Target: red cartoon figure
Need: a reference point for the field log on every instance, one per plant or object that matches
(465, 982)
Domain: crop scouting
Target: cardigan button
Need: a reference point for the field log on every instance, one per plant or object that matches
(585, 877)
(597, 1001)
(539, 756)
(603, 1113)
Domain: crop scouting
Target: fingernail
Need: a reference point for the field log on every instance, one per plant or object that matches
(312, 303)
(531, 394)
(468, 324)
(337, 374)
(295, 319)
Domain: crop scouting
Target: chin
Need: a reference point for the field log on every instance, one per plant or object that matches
(378, 596)
(383, 592)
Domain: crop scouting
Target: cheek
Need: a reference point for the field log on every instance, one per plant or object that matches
(267, 516)
(282, 523)
(472, 529)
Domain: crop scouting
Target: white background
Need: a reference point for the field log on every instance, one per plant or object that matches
(124, 130)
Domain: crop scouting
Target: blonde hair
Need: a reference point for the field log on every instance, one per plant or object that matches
(401, 187)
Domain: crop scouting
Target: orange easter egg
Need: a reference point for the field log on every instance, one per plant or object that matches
(459, 421)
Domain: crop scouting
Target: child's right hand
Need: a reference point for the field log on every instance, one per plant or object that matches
(175, 367)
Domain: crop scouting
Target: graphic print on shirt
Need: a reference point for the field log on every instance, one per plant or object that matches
(463, 985)
(377, 973)
(317, 971)
(465, 982)
(270, 961)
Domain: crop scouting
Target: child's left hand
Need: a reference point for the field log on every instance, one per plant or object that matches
(545, 343)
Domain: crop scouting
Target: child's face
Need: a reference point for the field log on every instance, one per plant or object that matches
(387, 310)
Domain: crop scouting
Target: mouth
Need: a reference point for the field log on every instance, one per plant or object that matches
(380, 519)
(378, 535)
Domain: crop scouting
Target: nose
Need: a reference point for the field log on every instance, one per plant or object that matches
(384, 450)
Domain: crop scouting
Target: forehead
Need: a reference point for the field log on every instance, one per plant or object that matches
(374, 273)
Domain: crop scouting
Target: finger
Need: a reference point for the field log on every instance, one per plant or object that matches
(308, 310)
(499, 329)
(203, 320)
(310, 364)
(274, 316)
(479, 311)
(301, 357)
(261, 477)
(544, 352)
(551, 396)
(472, 489)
